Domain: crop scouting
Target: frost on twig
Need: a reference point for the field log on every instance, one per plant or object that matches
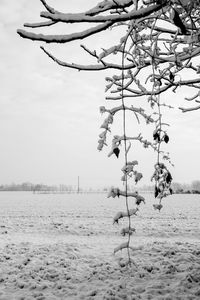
(108, 5)
(124, 246)
(121, 247)
(39, 24)
(191, 99)
(128, 172)
(122, 214)
(127, 230)
(116, 192)
(157, 206)
(190, 108)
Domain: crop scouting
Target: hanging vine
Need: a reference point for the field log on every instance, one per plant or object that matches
(161, 176)
(128, 169)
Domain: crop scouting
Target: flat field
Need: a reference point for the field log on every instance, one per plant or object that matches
(60, 246)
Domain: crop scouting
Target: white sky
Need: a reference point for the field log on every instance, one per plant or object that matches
(49, 116)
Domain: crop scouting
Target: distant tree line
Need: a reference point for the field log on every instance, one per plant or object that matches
(193, 187)
(27, 186)
(178, 188)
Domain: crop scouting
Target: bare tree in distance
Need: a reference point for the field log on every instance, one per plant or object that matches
(157, 52)
(196, 185)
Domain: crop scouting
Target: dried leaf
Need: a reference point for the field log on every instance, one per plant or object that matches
(116, 151)
(156, 192)
(125, 262)
(138, 176)
(102, 109)
(139, 199)
(113, 192)
(178, 22)
(133, 211)
(127, 230)
(168, 177)
(118, 216)
(133, 163)
(171, 76)
(157, 206)
(102, 135)
(156, 137)
(166, 138)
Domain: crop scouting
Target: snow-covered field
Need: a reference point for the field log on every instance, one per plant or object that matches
(61, 247)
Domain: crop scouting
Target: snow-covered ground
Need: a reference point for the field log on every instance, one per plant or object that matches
(61, 247)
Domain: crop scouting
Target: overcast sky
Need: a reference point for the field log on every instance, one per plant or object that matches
(49, 115)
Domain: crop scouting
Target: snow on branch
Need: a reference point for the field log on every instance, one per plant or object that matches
(64, 38)
(97, 67)
(108, 5)
(82, 17)
(89, 16)
(189, 109)
(40, 24)
(164, 33)
(48, 7)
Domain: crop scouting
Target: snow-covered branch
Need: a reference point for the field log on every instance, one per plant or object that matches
(63, 38)
(84, 18)
(189, 109)
(91, 16)
(108, 5)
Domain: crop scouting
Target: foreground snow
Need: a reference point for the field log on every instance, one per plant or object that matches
(62, 248)
(62, 271)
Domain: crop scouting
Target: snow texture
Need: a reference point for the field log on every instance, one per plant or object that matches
(61, 247)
